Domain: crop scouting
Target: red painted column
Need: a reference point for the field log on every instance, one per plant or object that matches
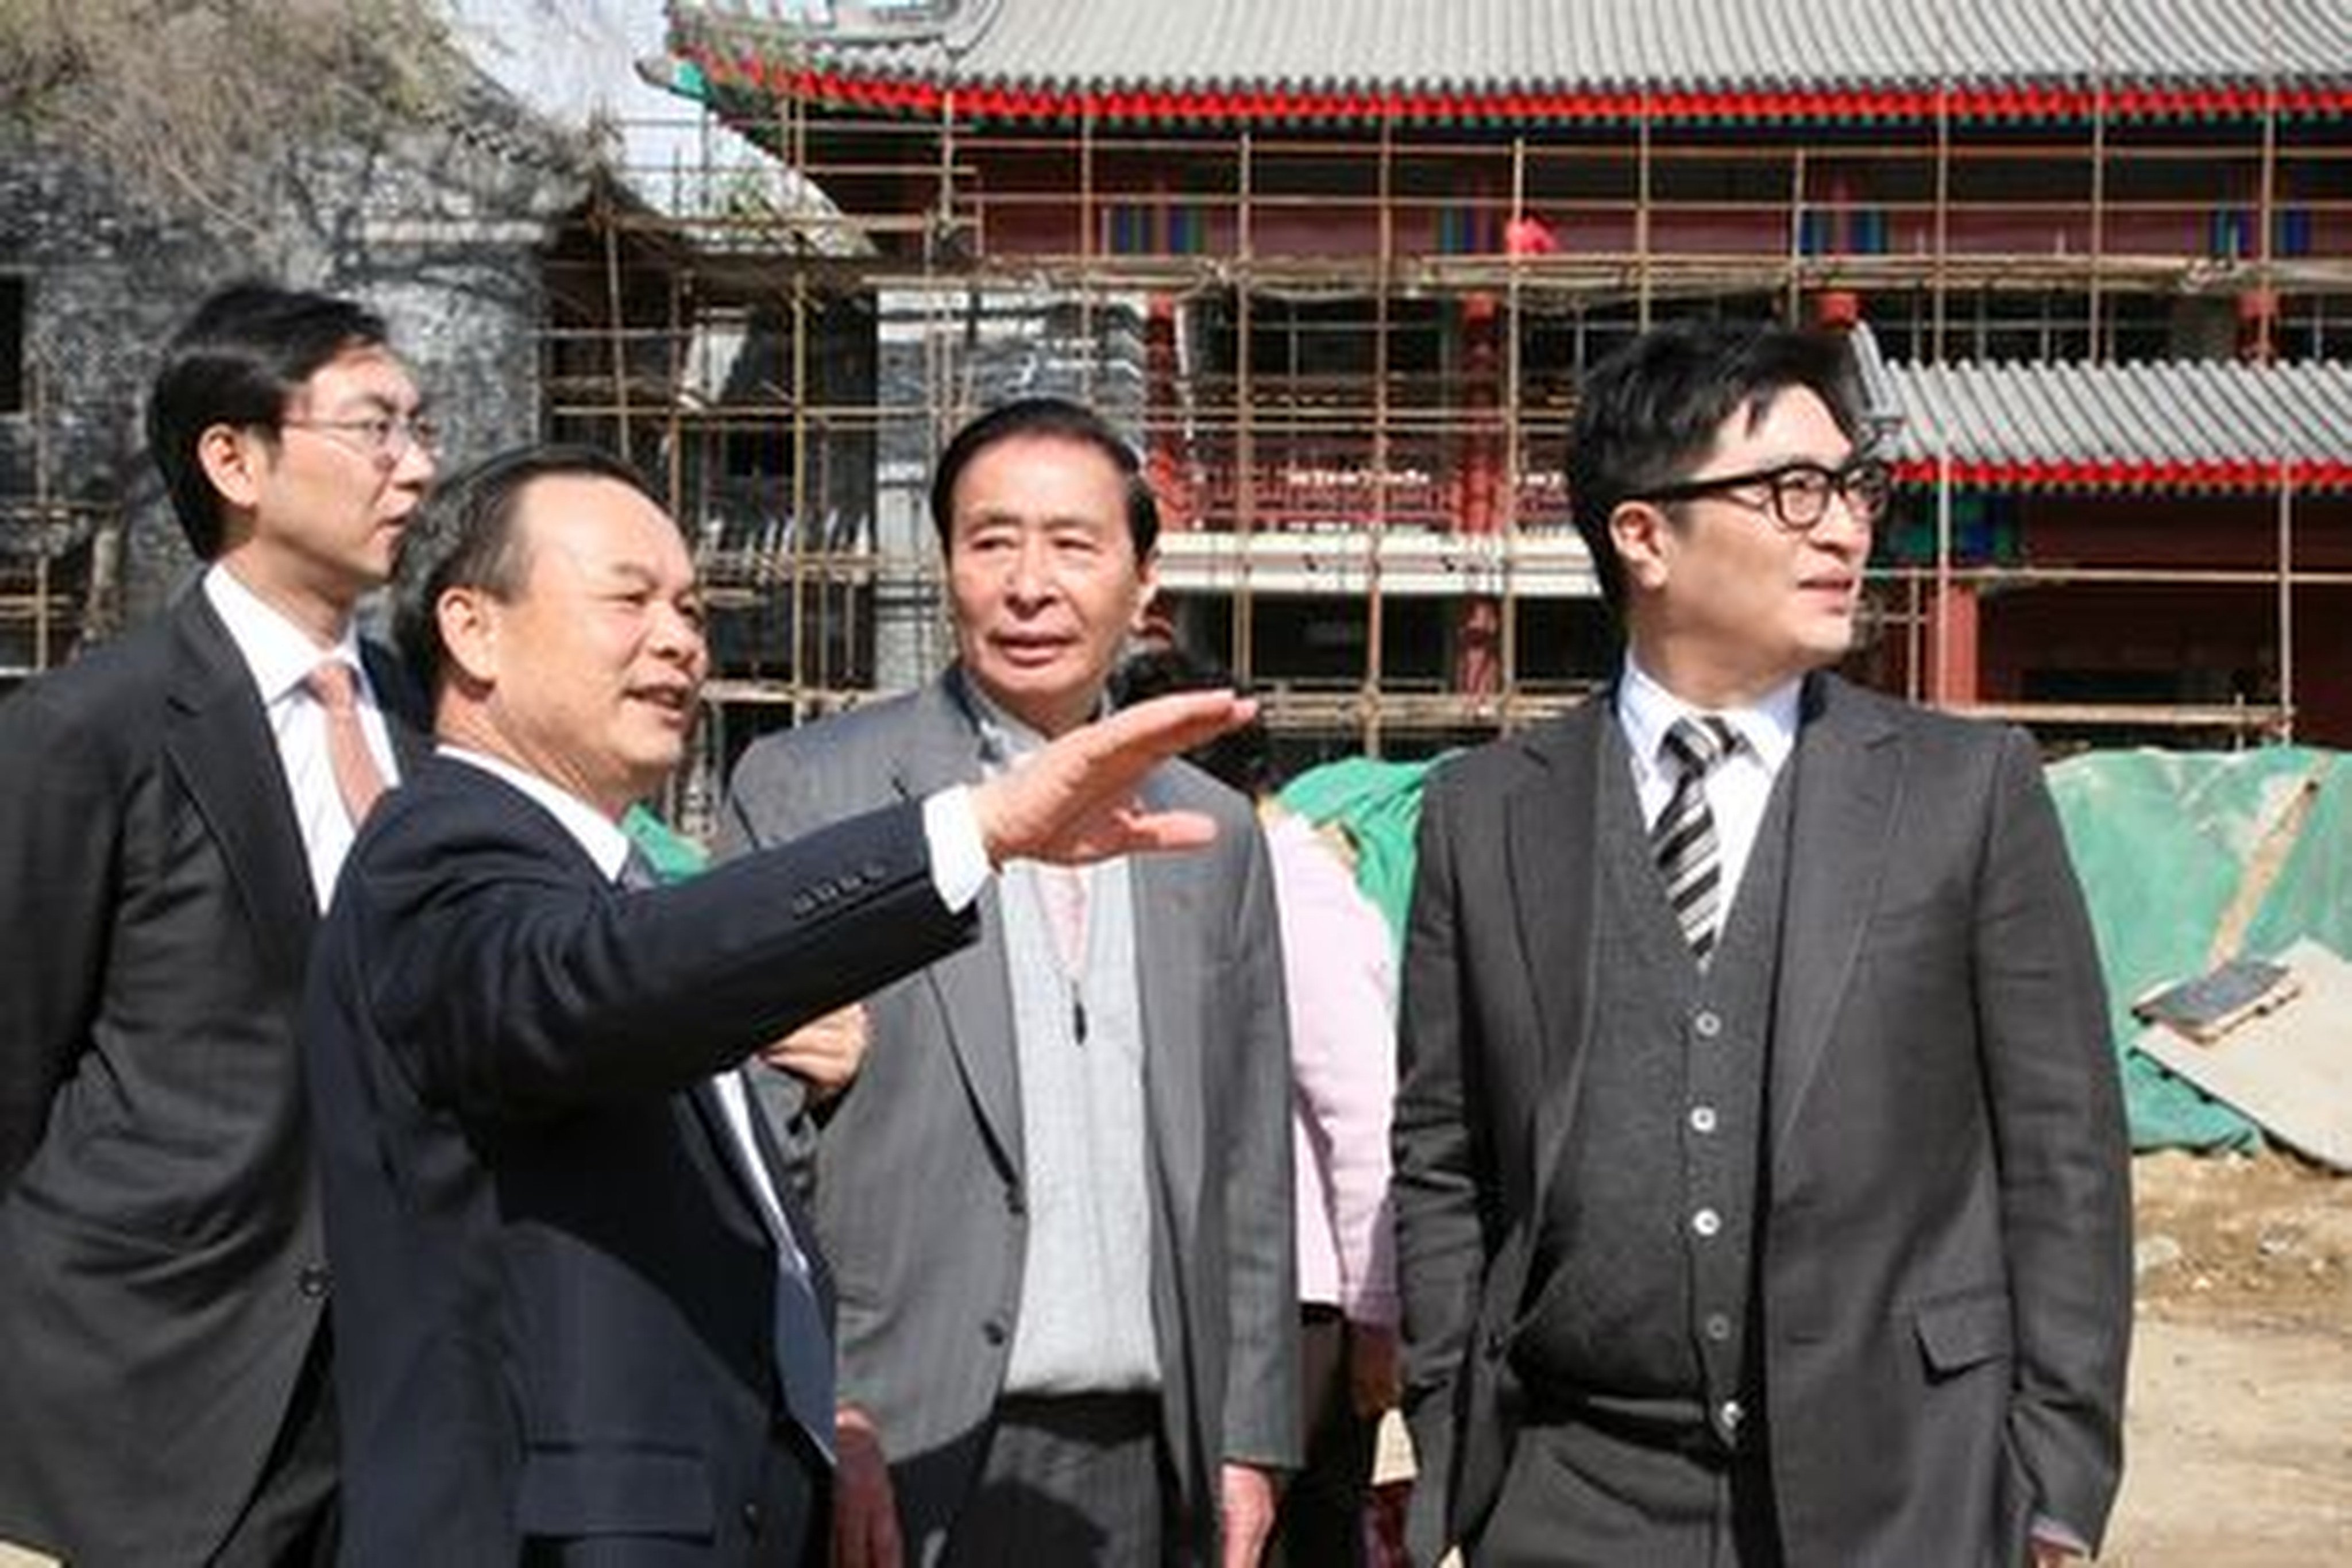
(2258, 311)
(1954, 675)
(1479, 623)
(1165, 460)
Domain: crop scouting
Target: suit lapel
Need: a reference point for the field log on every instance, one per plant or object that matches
(970, 987)
(1551, 824)
(721, 1158)
(1849, 785)
(221, 746)
(1165, 893)
(406, 718)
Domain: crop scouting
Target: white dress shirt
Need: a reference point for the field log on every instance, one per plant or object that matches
(1737, 788)
(280, 657)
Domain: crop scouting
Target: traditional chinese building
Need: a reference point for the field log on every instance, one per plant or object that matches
(1337, 265)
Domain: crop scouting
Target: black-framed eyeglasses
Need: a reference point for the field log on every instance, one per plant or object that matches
(1797, 494)
(385, 437)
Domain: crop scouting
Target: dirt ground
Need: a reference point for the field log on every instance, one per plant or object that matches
(2239, 1437)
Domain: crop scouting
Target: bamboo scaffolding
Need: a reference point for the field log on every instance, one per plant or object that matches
(1322, 501)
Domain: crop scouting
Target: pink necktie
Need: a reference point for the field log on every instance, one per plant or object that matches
(1063, 891)
(357, 778)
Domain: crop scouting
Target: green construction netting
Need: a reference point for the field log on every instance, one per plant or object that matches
(1379, 804)
(2162, 841)
(675, 857)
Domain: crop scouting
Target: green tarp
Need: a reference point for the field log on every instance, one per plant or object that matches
(2162, 841)
(673, 856)
(1379, 806)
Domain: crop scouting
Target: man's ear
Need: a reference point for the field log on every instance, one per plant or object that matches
(468, 619)
(233, 459)
(1641, 531)
(1147, 592)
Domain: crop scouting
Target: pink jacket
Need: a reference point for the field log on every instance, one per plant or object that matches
(1341, 982)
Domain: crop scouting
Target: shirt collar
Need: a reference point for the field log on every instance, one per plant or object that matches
(598, 836)
(1004, 739)
(280, 654)
(1647, 711)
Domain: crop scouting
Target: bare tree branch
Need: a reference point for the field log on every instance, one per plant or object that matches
(213, 106)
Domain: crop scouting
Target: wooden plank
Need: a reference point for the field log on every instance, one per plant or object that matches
(2288, 1070)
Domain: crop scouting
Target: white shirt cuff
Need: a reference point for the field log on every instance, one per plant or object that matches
(2047, 1532)
(959, 867)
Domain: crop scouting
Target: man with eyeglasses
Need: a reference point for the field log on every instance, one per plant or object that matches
(173, 811)
(1761, 1184)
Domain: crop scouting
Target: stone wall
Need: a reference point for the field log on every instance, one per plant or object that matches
(442, 235)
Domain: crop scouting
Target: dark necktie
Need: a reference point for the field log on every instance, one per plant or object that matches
(637, 872)
(803, 1334)
(1683, 839)
(804, 1343)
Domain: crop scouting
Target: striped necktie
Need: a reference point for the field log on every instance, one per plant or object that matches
(1683, 839)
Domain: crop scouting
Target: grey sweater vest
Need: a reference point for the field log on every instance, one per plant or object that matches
(1646, 1248)
(1084, 1322)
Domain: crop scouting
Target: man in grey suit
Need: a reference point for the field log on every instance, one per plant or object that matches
(1056, 1198)
(1762, 1188)
(173, 809)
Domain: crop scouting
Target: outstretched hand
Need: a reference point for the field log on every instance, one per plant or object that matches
(1074, 801)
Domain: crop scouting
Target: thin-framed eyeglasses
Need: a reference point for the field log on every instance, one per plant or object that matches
(1797, 495)
(386, 437)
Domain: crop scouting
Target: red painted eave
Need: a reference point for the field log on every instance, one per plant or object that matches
(2249, 475)
(1995, 104)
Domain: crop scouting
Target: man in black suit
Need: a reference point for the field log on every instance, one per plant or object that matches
(174, 807)
(575, 1318)
(1761, 1187)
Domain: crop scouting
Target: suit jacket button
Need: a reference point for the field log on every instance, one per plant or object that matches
(1496, 1343)
(1014, 1202)
(993, 1331)
(312, 1282)
(752, 1519)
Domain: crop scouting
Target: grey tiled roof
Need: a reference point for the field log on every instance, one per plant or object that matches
(1486, 46)
(2180, 423)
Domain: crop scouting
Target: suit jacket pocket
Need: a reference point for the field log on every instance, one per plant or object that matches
(1962, 1331)
(615, 1492)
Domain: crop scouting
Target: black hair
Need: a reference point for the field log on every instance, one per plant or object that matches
(238, 361)
(1061, 419)
(463, 537)
(1242, 758)
(1648, 411)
